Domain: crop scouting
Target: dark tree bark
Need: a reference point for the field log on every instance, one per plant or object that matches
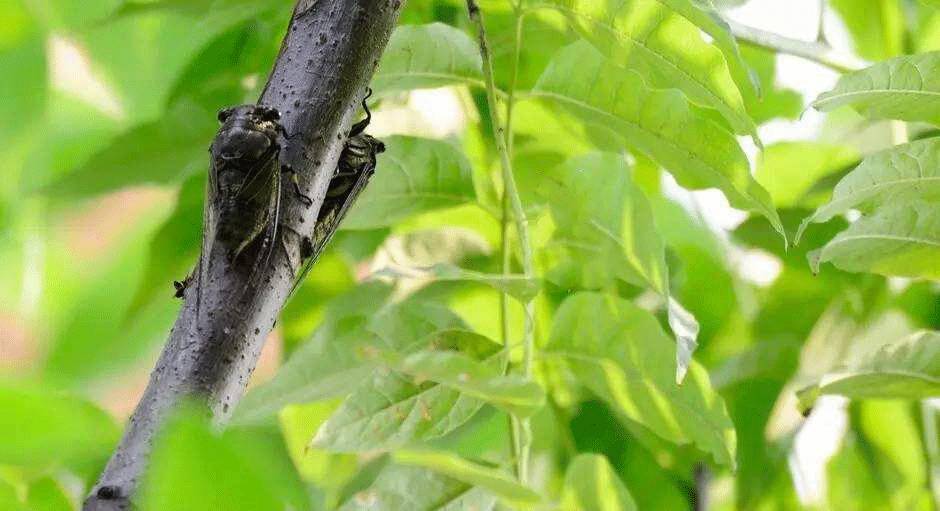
(328, 55)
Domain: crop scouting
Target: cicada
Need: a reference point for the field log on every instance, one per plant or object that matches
(355, 167)
(244, 189)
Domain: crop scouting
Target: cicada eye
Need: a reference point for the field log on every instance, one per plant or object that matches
(224, 114)
(269, 113)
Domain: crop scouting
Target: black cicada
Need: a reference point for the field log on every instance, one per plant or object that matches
(244, 177)
(356, 165)
(244, 189)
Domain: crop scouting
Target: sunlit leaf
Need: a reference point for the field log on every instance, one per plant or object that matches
(404, 487)
(907, 369)
(494, 480)
(659, 123)
(453, 369)
(414, 175)
(905, 88)
(620, 352)
(591, 484)
(393, 409)
(331, 363)
(605, 225)
(427, 56)
(900, 240)
(899, 175)
(661, 40)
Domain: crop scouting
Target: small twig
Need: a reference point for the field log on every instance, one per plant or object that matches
(821, 27)
(521, 432)
(813, 51)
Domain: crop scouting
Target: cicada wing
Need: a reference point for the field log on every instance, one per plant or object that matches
(328, 221)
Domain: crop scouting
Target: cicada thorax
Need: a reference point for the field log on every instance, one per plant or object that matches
(245, 175)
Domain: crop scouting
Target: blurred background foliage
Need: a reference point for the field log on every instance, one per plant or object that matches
(109, 106)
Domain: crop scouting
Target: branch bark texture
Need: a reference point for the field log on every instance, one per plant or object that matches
(328, 55)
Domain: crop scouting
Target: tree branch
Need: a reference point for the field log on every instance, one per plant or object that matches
(813, 51)
(328, 55)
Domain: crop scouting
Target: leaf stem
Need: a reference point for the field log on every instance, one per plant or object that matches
(512, 206)
(822, 54)
(932, 446)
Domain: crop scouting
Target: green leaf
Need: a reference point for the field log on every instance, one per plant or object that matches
(427, 56)
(789, 169)
(39, 427)
(414, 175)
(877, 26)
(192, 468)
(512, 393)
(901, 240)
(591, 484)
(392, 409)
(899, 175)
(605, 225)
(906, 88)
(331, 362)
(519, 287)
(620, 352)
(496, 481)
(659, 123)
(908, 369)
(412, 488)
(160, 152)
(662, 41)
(774, 102)
(704, 15)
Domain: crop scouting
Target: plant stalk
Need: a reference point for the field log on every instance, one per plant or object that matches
(522, 432)
(817, 52)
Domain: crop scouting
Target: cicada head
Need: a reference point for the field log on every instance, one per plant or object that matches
(248, 132)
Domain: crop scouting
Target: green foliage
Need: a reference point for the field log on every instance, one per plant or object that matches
(660, 123)
(447, 56)
(591, 483)
(903, 88)
(45, 428)
(491, 479)
(422, 175)
(620, 353)
(907, 369)
(425, 364)
(902, 240)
